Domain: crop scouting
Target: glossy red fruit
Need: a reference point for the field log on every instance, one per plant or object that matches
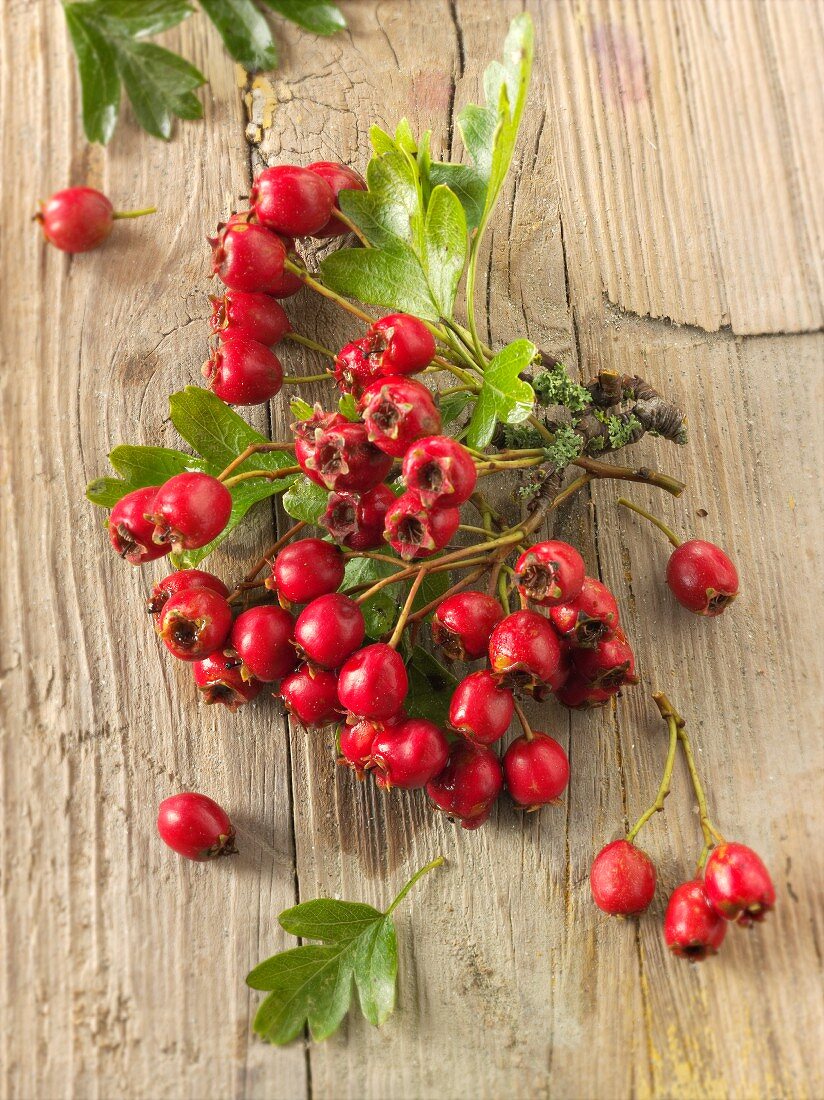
(77, 219)
(356, 520)
(292, 200)
(262, 637)
(404, 344)
(311, 696)
(481, 709)
(242, 371)
(329, 630)
(131, 533)
(397, 411)
(536, 771)
(524, 651)
(692, 928)
(440, 471)
(288, 284)
(355, 741)
(195, 623)
(373, 682)
(622, 879)
(738, 884)
(190, 510)
(177, 582)
(248, 257)
(410, 755)
(468, 785)
(342, 458)
(609, 665)
(550, 573)
(256, 316)
(578, 694)
(355, 368)
(220, 680)
(307, 433)
(463, 624)
(195, 827)
(702, 578)
(305, 570)
(589, 618)
(340, 178)
(415, 531)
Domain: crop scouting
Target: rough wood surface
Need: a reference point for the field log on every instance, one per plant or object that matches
(668, 171)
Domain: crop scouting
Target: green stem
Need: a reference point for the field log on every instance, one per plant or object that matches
(671, 535)
(120, 215)
(273, 549)
(313, 345)
(470, 295)
(418, 875)
(319, 288)
(525, 726)
(253, 449)
(666, 781)
(458, 587)
(400, 625)
(643, 475)
(350, 225)
(299, 379)
(270, 475)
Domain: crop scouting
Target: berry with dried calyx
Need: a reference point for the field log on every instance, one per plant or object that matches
(578, 694)
(356, 520)
(550, 573)
(190, 510)
(256, 316)
(622, 879)
(693, 930)
(415, 531)
(340, 457)
(373, 682)
(589, 618)
(262, 637)
(355, 368)
(329, 630)
(440, 470)
(403, 344)
(340, 178)
(536, 770)
(292, 200)
(242, 371)
(178, 581)
(355, 740)
(220, 680)
(195, 623)
(410, 755)
(79, 219)
(305, 570)
(311, 696)
(463, 624)
(468, 785)
(398, 411)
(481, 710)
(610, 664)
(248, 257)
(195, 827)
(524, 651)
(131, 532)
(738, 884)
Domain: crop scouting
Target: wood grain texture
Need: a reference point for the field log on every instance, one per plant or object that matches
(668, 170)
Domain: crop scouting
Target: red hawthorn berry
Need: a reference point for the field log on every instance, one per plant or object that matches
(610, 664)
(692, 928)
(622, 879)
(220, 680)
(131, 532)
(355, 520)
(340, 178)
(410, 755)
(738, 884)
(190, 510)
(305, 570)
(577, 694)
(355, 741)
(440, 470)
(195, 623)
(397, 411)
(536, 770)
(176, 582)
(292, 200)
(589, 618)
(415, 531)
(469, 784)
(257, 316)
(355, 368)
(342, 458)
(403, 343)
(463, 623)
(550, 573)
(311, 696)
(248, 257)
(77, 219)
(702, 578)
(329, 630)
(195, 827)
(263, 638)
(481, 710)
(373, 682)
(524, 651)
(288, 284)
(242, 371)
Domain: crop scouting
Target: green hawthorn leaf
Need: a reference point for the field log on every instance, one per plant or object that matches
(404, 138)
(317, 16)
(504, 396)
(392, 280)
(159, 85)
(141, 466)
(446, 246)
(349, 407)
(329, 920)
(467, 184)
(430, 688)
(218, 433)
(105, 492)
(376, 971)
(245, 32)
(97, 68)
(301, 410)
(453, 405)
(139, 18)
(304, 500)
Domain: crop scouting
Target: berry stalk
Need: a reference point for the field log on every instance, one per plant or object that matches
(668, 531)
(666, 780)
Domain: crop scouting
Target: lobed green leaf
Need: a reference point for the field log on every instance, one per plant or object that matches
(317, 16)
(504, 396)
(304, 500)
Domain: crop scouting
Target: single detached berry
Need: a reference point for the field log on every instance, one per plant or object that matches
(702, 578)
(80, 218)
(305, 570)
(341, 458)
(355, 367)
(190, 510)
(622, 879)
(550, 573)
(589, 618)
(373, 682)
(242, 371)
(329, 630)
(610, 664)
(248, 257)
(403, 343)
(410, 755)
(692, 928)
(396, 412)
(292, 200)
(536, 770)
(578, 694)
(178, 581)
(463, 624)
(355, 741)
(524, 651)
(356, 520)
(340, 178)
(415, 531)
(256, 316)
(311, 696)
(738, 884)
(440, 470)
(481, 710)
(195, 623)
(131, 532)
(262, 637)
(195, 827)
(468, 785)
(220, 680)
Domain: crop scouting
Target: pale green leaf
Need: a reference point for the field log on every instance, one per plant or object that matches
(504, 396)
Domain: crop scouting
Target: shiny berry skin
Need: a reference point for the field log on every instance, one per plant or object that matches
(397, 412)
(440, 471)
(609, 665)
(356, 520)
(311, 696)
(692, 928)
(481, 709)
(463, 624)
(577, 694)
(256, 316)
(550, 573)
(242, 371)
(536, 771)
(355, 741)
(469, 784)
(415, 531)
(355, 368)
(77, 219)
(130, 532)
(190, 510)
(220, 680)
(306, 569)
(590, 617)
(262, 637)
(248, 257)
(288, 284)
(307, 433)
(195, 623)
(524, 651)
(343, 459)
(373, 682)
(622, 879)
(329, 630)
(738, 884)
(405, 345)
(292, 200)
(702, 578)
(410, 755)
(195, 827)
(178, 581)
(340, 178)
